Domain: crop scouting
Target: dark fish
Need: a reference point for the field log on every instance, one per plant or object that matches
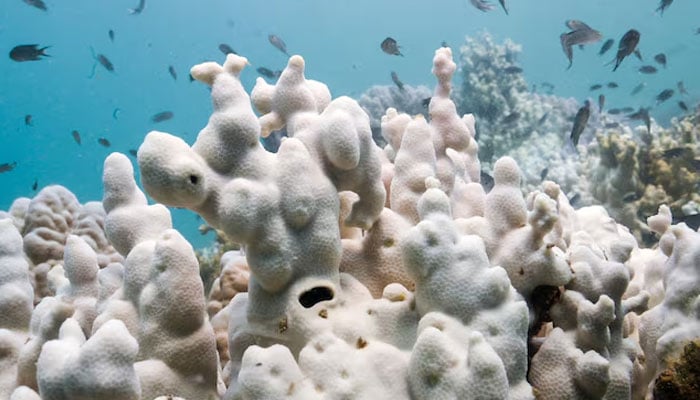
(36, 4)
(226, 49)
(138, 9)
(162, 116)
(647, 69)
(389, 46)
(683, 106)
(614, 111)
(510, 118)
(642, 115)
(661, 59)
(7, 167)
(486, 181)
(543, 118)
(663, 5)
(76, 137)
(111, 35)
(676, 152)
(103, 60)
(574, 200)
(638, 89)
(172, 72)
(544, 173)
(115, 113)
(28, 52)
(132, 152)
(611, 125)
(512, 70)
(104, 142)
(35, 185)
(580, 122)
(606, 46)
(627, 46)
(482, 5)
(503, 5)
(278, 43)
(580, 34)
(28, 120)
(268, 73)
(681, 88)
(664, 95)
(396, 80)
(601, 102)
(426, 101)
(630, 197)
(612, 85)
(693, 221)
(444, 44)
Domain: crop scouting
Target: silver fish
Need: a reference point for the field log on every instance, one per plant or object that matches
(278, 43)
(482, 5)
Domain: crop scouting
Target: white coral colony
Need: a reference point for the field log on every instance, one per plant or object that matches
(371, 273)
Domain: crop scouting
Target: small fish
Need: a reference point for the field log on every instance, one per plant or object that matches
(614, 111)
(482, 5)
(581, 34)
(35, 185)
(638, 89)
(28, 52)
(648, 69)
(683, 106)
(692, 221)
(111, 35)
(664, 95)
(486, 181)
(606, 46)
(627, 109)
(681, 88)
(612, 85)
(162, 116)
(389, 46)
(580, 122)
(396, 80)
(444, 44)
(278, 43)
(115, 113)
(642, 115)
(512, 117)
(28, 120)
(597, 86)
(544, 173)
(138, 9)
(426, 101)
(226, 49)
(36, 4)
(132, 152)
(676, 152)
(268, 73)
(543, 118)
(503, 5)
(611, 125)
(663, 5)
(7, 167)
(630, 197)
(172, 72)
(76, 137)
(627, 46)
(574, 200)
(512, 70)
(601, 102)
(661, 59)
(104, 142)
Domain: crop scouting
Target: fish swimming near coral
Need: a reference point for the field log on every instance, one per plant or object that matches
(486, 181)
(580, 34)
(35, 185)
(661, 59)
(595, 87)
(104, 142)
(612, 85)
(683, 106)
(396, 80)
(226, 49)
(663, 5)
(7, 167)
(172, 72)
(36, 4)
(138, 9)
(664, 95)
(278, 43)
(606, 46)
(580, 122)
(391, 47)
(133, 152)
(28, 52)
(268, 73)
(628, 45)
(76, 137)
(543, 173)
(510, 118)
(162, 116)
(482, 5)
(648, 69)
(512, 69)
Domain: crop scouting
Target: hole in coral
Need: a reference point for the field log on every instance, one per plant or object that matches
(388, 242)
(315, 295)
(194, 179)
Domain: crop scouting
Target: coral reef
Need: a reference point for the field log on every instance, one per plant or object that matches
(362, 273)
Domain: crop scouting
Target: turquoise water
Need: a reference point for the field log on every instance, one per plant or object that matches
(339, 40)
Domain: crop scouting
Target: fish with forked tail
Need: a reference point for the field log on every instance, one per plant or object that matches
(28, 52)
(391, 47)
(580, 122)
(628, 45)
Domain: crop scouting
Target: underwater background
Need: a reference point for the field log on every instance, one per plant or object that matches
(340, 41)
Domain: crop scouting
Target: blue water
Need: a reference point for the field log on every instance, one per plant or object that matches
(339, 40)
